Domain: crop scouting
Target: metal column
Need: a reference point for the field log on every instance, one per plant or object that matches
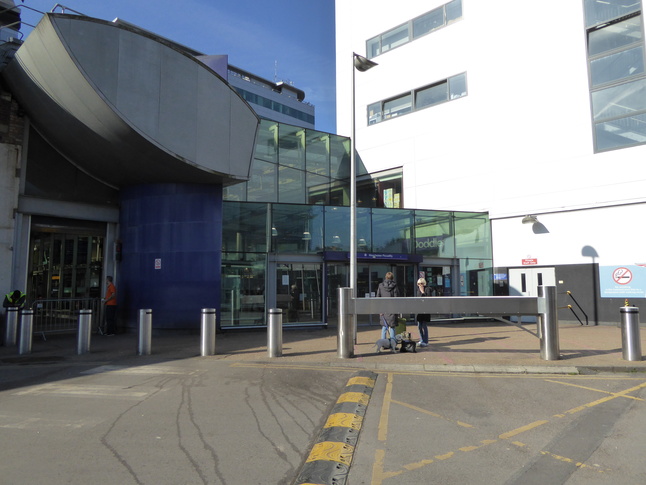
(26, 328)
(345, 334)
(630, 342)
(275, 333)
(548, 323)
(11, 327)
(145, 331)
(207, 344)
(84, 331)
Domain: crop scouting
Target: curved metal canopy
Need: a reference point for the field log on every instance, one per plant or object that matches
(128, 107)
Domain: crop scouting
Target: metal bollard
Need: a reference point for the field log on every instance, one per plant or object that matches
(11, 327)
(345, 335)
(549, 324)
(207, 344)
(145, 331)
(26, 327)
(630, 343)
(84, 331)
(275, 333)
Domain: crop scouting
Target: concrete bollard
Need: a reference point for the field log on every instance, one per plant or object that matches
(145, 331)
(11, 327)
(275, 333)
(630, 342)
(84, 331)
(26, 330)
(207, 344)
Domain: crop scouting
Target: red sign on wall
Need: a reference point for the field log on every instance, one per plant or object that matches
(528, 262)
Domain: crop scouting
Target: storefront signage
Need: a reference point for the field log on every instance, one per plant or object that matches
(622, 281)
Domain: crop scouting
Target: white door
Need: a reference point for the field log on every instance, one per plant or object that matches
(525, 281)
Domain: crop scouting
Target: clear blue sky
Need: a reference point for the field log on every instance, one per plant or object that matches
(282, 40)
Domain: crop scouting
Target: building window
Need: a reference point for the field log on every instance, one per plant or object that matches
(446, 90)
(415, 28)
(616, 65)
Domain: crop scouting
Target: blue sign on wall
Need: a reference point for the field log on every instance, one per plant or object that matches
(622, 281)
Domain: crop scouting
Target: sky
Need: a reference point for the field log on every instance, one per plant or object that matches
(279, 40)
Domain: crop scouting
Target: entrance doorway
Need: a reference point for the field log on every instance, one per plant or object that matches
(299, 288)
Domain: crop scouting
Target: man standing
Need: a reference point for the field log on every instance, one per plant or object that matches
(15, 299)
(388, 288)
(110, 302)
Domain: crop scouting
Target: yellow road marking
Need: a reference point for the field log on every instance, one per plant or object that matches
(382, 430)
(596, 390)
(415, 408)
(569, 460)
(522, 429)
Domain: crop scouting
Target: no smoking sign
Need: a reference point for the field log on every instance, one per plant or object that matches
(622, 276)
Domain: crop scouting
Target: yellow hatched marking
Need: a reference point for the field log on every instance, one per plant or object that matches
(382, 430)
(613, 394)
(344, 420)
(519, 444)
(378, 473)
(430, 413)
(578, 464)
(361, 381)
(358, 397)
(332, 451)
(522, 429)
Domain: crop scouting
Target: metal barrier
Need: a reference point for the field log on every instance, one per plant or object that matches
(630, 342)
(11, 327)
(145, 331)
(543, 306)
(61, 315)
(207, 342)
(275, 333)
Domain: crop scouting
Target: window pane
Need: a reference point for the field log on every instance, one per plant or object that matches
(372, 48)
(244, 227)
(434, 234)
(339, 157)
(397, 106)
(291, 146)
(291, 185)
(394, 38)
(617, 66)
(453, 11)
(615, 36)
(298, 228)
(243, 289)
(619, 100)
(458, 86)
(620, 133)
(428, 22)
(317, 152)
(237, 192)
(374, 113)
(392, 230)
(318, 189)
(262, 183)
(266, 141)
(597, 11)
(472, 235)
(431, 95)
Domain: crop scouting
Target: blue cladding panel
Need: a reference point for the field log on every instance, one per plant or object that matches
(181, 225)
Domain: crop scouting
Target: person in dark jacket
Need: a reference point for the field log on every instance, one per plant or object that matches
(15, 299)
(423, 318)
(388, 289)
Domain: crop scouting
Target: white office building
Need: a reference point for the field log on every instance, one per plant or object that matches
(532, 111)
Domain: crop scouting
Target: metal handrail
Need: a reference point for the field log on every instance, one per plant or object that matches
(569, 293)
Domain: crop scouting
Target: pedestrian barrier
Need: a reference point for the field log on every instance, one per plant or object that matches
(275, 333)
(61, 315)
(543, 306)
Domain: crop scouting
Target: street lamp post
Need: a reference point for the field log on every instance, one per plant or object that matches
(361, 64)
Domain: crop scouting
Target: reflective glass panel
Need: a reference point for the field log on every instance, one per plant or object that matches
(434, 234)
(597, 11)
(266, 141)
(339, 157)
(453, 11)
(244, 227)
(428, 22)
(398, 106)
(299, 292)
(297, 228)
(372, 48)
(392, 230)
(291, 146)
(472, 235)
(620, 133)
(619, 100)
(317, 152)
(242, 290)
(237, 192)
(374, 113)
(617, 66)
(262, 186)
(291, 185)
(615, 36)
(394, 38)
(431, 95)
(318, 189)
(458, 86)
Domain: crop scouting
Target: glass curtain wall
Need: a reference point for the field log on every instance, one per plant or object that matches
(473, 248)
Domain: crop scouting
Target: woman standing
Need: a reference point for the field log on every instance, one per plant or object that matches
(423, 318)
(388, 288)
